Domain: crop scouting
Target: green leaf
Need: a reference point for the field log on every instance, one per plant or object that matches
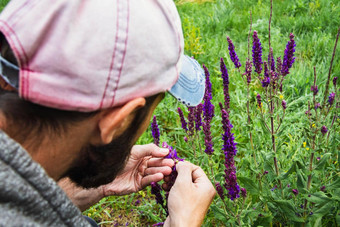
(321, 164)
(219, 213)
(301, 182)
(335, 184)
(324, 209)
(249, 185)
(319, 198)
(338, 219)
(318, 222)
(288, 210)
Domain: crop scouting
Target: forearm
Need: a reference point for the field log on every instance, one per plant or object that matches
(82, 198)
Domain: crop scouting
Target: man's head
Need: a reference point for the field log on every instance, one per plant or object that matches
(86, 76)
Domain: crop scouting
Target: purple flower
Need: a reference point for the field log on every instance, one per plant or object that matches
(137, 202)
(314, 89)
(243, 192)
(288, 185)
(331, 98)
(156, 190)
(334, 81)
(317, 105)
(158, 224)
(191, 120)
(324, 130)
(181, 115)
(279, 65)
(266, 81)
(172, 153)
(323, 188)
(295, 191)
(185, 139)
(225, 78)
(288, 58)
(208, 107)
(318, 158)
(208, 113)
(275, 187)
(208, 138)
(258, 98)
(232, 53)
(249, 68)
(284, 104)
(198, 117)
(257, 53)
(271, 60)
(155, 131)
(219, 190)
(229, 148)
(265, 172)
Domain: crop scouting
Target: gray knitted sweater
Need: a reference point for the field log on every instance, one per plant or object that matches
(28, 197)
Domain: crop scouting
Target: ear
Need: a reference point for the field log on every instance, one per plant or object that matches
(115, 120)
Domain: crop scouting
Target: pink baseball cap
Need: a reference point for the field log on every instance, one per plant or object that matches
(86, 55)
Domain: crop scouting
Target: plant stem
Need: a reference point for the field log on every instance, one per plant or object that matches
(330, 71)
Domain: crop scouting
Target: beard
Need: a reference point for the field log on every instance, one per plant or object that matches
(99, 165)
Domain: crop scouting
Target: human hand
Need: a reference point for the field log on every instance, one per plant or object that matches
(190, 196)
(146, 164)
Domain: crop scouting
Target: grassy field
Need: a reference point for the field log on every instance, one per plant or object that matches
(206, 24)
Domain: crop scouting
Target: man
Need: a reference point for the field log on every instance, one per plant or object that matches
(79, 82)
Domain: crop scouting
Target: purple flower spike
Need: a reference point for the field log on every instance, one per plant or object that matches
(331, 98)
(289, 58)
(198, 117)
(324, 130)
(191, 120)
(156, 190)
(208, 138)
(243, 192)
(314, 89)
(257, 53)
(249, 68)
(232, 53)
(279, 65)
(155, 131)
(284, 104)
(208, 113)
(225, 78)
(334, 81)
(266, 81)
(181, 115)
(295, 191)
(258, 98)
(219, 190)
(271, 60)
(208, 107)
(229, 148)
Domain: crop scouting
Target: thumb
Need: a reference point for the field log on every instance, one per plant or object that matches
(184, 170)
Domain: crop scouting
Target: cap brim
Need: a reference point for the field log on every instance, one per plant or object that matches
(190, 86)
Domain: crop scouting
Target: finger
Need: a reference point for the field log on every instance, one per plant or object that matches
(158, 162)
(151, 178)
(149, 150)
(165, 170)
(199, 176)
(184, 170)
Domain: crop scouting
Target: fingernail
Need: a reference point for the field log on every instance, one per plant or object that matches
(164, 150)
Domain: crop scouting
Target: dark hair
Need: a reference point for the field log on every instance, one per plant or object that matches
(24, 118)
